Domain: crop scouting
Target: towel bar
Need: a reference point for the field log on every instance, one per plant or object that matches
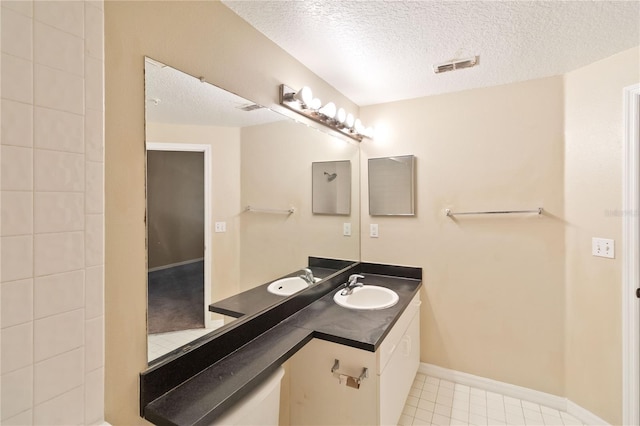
(449, 213)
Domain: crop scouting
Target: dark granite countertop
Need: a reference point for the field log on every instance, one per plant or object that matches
(257, 299)
(206, 395)
(362, 329)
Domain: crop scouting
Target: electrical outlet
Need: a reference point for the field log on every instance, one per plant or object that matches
(602, 247)
(221, 227)
(346, 229)
(373, 230)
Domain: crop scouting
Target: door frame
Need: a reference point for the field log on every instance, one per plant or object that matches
(631, 257)
(206, 149)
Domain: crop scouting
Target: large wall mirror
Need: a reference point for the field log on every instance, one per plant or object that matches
(210, 155)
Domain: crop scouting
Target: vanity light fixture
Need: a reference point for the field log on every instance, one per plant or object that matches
(303, 102)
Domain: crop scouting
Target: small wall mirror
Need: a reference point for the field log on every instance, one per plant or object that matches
(331, 190)
(392, 186)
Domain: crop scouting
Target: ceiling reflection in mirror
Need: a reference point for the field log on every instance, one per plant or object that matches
(210, 155)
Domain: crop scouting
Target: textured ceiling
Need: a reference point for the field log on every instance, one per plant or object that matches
(379, 51)
(175, 97)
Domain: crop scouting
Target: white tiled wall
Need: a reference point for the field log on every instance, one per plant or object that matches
(52, 212)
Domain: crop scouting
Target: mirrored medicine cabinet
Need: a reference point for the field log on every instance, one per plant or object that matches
(392, 186)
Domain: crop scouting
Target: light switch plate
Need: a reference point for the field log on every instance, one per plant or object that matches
(603, 247)
(221, 227)
(373, 230)
(346, 229)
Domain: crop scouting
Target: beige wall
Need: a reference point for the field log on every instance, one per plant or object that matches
(593, 177)
(493, 300)
(200, 38)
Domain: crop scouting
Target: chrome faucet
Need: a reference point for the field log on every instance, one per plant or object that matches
(353, 283)
(308, 276)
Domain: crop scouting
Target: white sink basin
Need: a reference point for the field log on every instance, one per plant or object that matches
(288, 286)
(367, 297)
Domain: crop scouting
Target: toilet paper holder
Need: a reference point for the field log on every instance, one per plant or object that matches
(352, 381)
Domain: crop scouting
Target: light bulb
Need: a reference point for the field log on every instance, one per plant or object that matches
(342, 115)
(304, 95)
(358, 126)
(315, 104)
(329, 110)
(349, 121)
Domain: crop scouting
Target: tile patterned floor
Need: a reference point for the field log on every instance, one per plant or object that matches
(163, 343)
(434, 401)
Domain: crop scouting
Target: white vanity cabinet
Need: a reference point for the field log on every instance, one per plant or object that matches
(320, 397)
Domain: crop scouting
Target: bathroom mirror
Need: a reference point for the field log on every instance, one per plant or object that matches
(331, 187)
(229, 203)
(392, 186)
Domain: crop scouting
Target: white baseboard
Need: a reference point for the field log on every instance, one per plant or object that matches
(585, 416)
(514, 391)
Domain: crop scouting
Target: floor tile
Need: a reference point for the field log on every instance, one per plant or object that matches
(478, 409)
(409, 410)
(432, 380)
(445, 410)
(568, 419)
(549, 411)
(430, 387)
(532, 415)
(460, 414)
(412, 401)
(460, 404)
(447, 384)
(478, 400)
(496, 414)
(429, 396)
(530, 406)
(462, 388)
(418, 385)
(445, 391)
(478, 420)
(552, 420)
(493, 395)
(420, 422)
(423, 414)
(513, 409)
(426, 405)
(442, 402)
(440, 420)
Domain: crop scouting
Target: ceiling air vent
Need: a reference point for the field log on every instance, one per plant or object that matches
(456, 64)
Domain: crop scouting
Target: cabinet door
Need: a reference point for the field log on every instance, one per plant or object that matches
(316, 395)
(399, 373)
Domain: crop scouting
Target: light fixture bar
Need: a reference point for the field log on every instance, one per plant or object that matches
(293, 100)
